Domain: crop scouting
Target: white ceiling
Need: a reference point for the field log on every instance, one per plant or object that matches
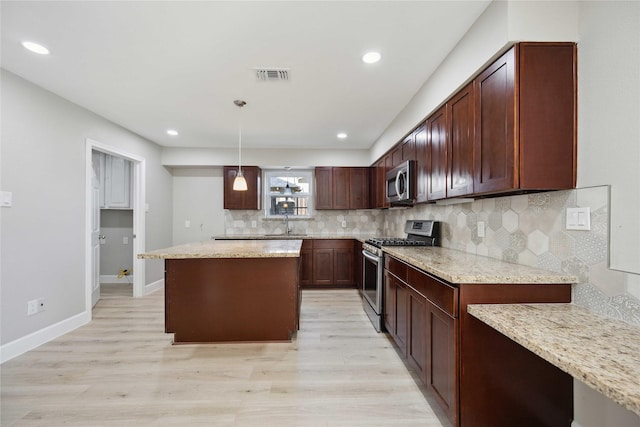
(150, 66)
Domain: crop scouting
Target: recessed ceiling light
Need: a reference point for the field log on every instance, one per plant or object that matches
(371, 57)
(172, 132)
(35, 48)
(342, 135)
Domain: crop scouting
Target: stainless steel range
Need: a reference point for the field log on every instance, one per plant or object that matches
(419, 233)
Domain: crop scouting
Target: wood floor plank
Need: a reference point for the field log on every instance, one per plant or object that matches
(121, 369)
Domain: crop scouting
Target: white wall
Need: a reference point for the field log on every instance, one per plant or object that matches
(264, 158)
(43, 235)
(198, 198)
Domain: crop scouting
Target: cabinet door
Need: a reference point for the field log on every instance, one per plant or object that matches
(359, 188)
(417, 336)
(408, 148)
(437, 155)
(396, 156)
(422, 169)
(495, 154)
(324, 188)
(117, 183)
(357, 264)
(340, 188)
(402, 315)
(441, 372)
(250, 199)
(323, 266)
(460, 143)
(306, 263)
(389, 298)
(343, 266)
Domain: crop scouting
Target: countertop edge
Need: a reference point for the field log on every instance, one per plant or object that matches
(593, 371)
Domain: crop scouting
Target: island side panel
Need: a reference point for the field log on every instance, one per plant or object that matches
(231, 299)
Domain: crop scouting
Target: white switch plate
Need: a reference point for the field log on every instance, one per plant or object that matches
(579, 219)
(6, 199)
(187, 224)
(125, 240)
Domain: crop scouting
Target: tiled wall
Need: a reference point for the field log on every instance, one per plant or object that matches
(524, 229)
(365, 222)
(530, 230)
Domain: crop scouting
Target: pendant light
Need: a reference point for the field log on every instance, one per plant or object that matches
(240, 183)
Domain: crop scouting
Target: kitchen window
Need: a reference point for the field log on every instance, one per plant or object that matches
(288, 192)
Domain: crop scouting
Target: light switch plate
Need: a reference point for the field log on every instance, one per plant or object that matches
(579, 219)
(6, 199)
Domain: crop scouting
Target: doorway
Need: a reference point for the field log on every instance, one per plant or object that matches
(93, 235)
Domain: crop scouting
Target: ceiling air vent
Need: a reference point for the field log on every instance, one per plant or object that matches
(272, 74)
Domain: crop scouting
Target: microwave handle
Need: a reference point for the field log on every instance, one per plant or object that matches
(397, 183)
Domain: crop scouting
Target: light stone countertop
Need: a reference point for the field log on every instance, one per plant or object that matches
(603, 353)
(464, 268)
(361, 238)
(229, 249)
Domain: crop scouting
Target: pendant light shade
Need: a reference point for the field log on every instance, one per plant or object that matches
(240, 183)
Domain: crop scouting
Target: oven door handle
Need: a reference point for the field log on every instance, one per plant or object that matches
(368, 255)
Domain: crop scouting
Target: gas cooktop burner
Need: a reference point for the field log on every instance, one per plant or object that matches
(419, 233)
(395, 241)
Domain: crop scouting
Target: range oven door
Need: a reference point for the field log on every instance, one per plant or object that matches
(372, 276)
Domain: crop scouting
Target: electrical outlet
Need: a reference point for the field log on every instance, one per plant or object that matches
(32, 307)
(125, 240)
(480, 229)
(187, 224)
(344, 224)
(254, 224)
(40, 304)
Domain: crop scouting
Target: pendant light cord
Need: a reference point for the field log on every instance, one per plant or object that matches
(240, 103)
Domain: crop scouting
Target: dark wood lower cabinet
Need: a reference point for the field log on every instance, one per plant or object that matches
(328, 263)
(478, 376)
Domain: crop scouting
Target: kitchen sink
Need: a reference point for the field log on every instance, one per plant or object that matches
(285, 235)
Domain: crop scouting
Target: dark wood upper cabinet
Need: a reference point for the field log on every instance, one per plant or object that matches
(512, 129)
(324, 187)
(437, 155)
(460, 143)
(525, 123)
(342, 187)
(250, 199)
(422, 170)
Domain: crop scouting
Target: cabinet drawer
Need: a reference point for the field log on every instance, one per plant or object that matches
(333, 244)
(439, 293)
(397, 268)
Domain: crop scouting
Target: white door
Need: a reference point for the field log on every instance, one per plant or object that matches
(95, 237)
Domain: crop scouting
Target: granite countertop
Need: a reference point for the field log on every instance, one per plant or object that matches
(464, 268)
(229, 249)
(603, 353)
(361, 238)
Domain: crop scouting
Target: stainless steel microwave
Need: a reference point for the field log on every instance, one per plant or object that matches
(400, 183)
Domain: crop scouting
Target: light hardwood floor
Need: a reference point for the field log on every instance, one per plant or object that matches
(121, 369)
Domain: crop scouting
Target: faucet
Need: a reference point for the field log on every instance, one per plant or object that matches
(286, 224)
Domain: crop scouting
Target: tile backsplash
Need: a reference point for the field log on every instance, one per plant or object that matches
(523, 229)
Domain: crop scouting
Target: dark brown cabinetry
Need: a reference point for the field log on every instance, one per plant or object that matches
(460, 128)
(436, 155)
(379, 198)
(332, 263)
(428, 321)
(512, 129)
(525, 120)
(250, 199)
(306, 263)
(342, 187)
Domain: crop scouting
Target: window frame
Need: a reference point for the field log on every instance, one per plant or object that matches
(267, 195)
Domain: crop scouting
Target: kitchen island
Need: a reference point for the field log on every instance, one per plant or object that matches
(231, 291)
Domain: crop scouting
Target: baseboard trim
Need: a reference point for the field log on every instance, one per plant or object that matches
(35, 339)
(112, 278)
(153, 286)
